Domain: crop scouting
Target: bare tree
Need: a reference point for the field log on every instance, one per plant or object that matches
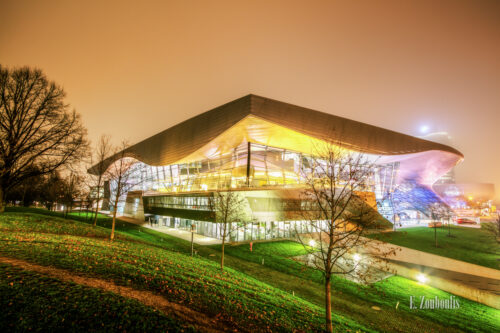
(124, 174)
(438, 211)
(51, 190)
(72, 188)
(38, 133)
(228, 207)
(102, 152)
(335, 212)
(448, 215)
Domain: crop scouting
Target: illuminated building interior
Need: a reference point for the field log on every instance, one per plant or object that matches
(262, 149)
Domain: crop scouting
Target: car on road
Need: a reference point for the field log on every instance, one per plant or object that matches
(464, 220)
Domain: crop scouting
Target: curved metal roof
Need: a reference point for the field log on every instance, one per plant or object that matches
(186, 138)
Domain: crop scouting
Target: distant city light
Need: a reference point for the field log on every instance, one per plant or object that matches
(312, 243)
(422, 278)
(424, 129)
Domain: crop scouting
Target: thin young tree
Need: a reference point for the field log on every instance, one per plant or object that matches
(38, 131)
(335, 213)
(124, 174)
(228, 208)
(437, 212)
(51, 190)
(102, 152)
(71, 188)
(448, 216)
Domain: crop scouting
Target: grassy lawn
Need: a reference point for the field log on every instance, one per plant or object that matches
(234, 298)
(77, 215)
(124, 229)
(33, 302)
(467, 244)
(279, 274)
(355, 301)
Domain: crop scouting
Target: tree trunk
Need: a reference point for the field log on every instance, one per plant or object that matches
(96, 213)
(97, 200)
(328, 305)
(2, 202)
(113, 223)
(24, 196)
(435, 235)
(223, 243)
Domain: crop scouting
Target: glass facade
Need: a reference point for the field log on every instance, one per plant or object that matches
(249, 165)
(240, 232)
(172, 190)
(179, 202)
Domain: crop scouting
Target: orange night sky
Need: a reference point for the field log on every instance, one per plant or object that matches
(134, 68)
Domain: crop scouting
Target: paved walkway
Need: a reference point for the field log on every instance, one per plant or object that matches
(182, 234)
(186, 235)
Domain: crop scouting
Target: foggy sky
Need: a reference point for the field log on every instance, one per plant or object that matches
(135, 68)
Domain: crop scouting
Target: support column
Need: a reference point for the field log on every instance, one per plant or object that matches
(249, 152)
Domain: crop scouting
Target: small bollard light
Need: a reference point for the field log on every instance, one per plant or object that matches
(422, 278)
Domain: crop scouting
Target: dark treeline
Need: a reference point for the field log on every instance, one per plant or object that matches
(50, 191)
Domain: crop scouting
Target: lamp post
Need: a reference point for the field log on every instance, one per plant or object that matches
(193, 229)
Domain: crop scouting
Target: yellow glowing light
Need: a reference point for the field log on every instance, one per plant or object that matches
(422, 278)
(259, 131)
(471, 197)
(204, 187)
(275, 174)
(312, 243)
(356, 257)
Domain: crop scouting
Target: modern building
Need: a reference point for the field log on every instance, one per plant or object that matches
(465, 199)
(260, 148)
(445, 139)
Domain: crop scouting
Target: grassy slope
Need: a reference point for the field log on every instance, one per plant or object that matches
(33, 302)
(233, 297)
(348, 299)
(355, 301)
(467, 244)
